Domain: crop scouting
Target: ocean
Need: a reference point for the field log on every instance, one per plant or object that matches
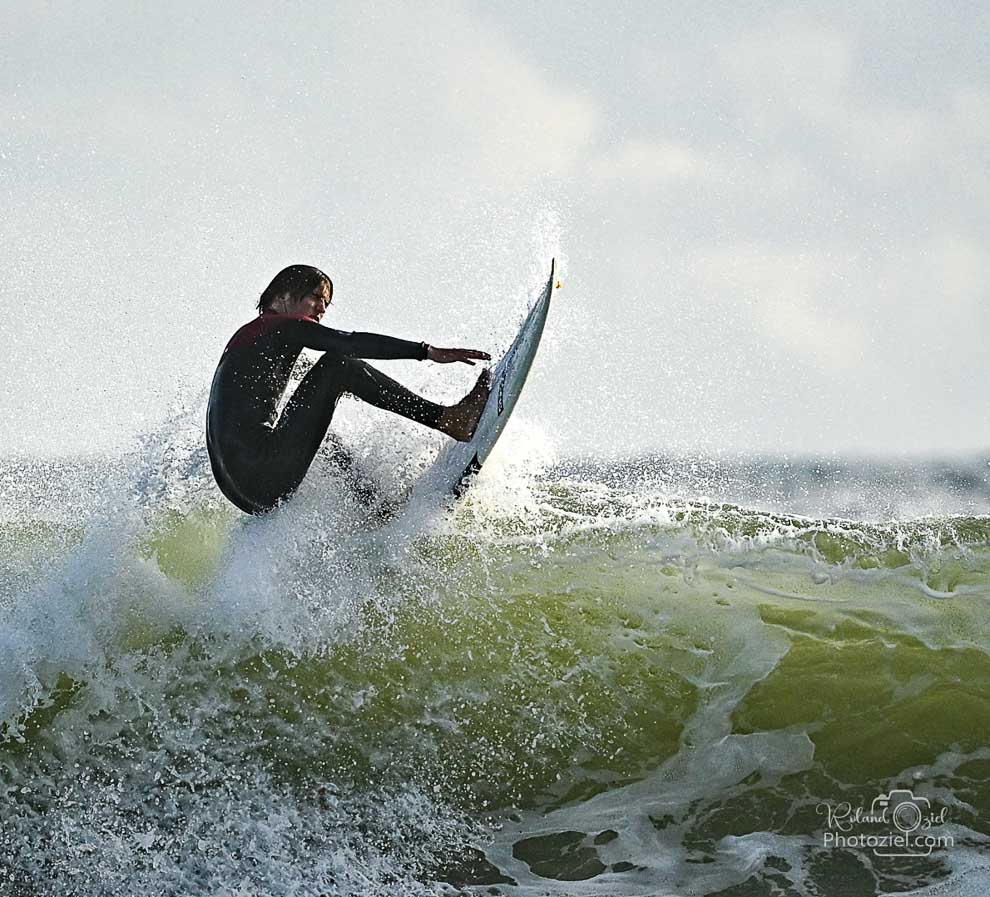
(741, 676)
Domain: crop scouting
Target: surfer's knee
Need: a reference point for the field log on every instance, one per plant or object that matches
(355, 374)
(341, 366)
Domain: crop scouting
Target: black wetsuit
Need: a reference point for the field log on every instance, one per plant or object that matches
(258, 457)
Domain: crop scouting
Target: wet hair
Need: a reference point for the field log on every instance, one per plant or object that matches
(296, 281)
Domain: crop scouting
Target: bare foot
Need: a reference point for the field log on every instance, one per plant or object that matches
(460, 420)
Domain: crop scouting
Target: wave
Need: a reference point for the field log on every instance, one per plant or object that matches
(579, 679)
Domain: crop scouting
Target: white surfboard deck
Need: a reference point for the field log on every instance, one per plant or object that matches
(455, 468)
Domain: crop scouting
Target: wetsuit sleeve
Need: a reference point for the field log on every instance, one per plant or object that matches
(311, 335)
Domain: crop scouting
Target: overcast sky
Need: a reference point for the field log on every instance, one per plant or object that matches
(772, 219)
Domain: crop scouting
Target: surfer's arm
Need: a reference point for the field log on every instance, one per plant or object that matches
(311, 335)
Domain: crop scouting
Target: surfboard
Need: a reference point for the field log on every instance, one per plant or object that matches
(458, 464)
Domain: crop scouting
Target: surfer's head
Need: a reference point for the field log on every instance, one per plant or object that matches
(297, 290)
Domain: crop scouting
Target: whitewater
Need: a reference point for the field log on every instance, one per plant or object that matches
(639, 676)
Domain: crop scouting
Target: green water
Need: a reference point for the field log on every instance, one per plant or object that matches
(643, 695)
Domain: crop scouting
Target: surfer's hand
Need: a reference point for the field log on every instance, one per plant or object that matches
(445, 356)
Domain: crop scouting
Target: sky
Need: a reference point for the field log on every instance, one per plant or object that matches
(771, 221)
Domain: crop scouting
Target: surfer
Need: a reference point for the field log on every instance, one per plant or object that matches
(260, 457)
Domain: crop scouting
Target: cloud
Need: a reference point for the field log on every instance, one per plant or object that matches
(789, 68)
(461, 95)
(812, 84)
(935, 293)
(653, 163)
(786, 292)
(522, 124)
